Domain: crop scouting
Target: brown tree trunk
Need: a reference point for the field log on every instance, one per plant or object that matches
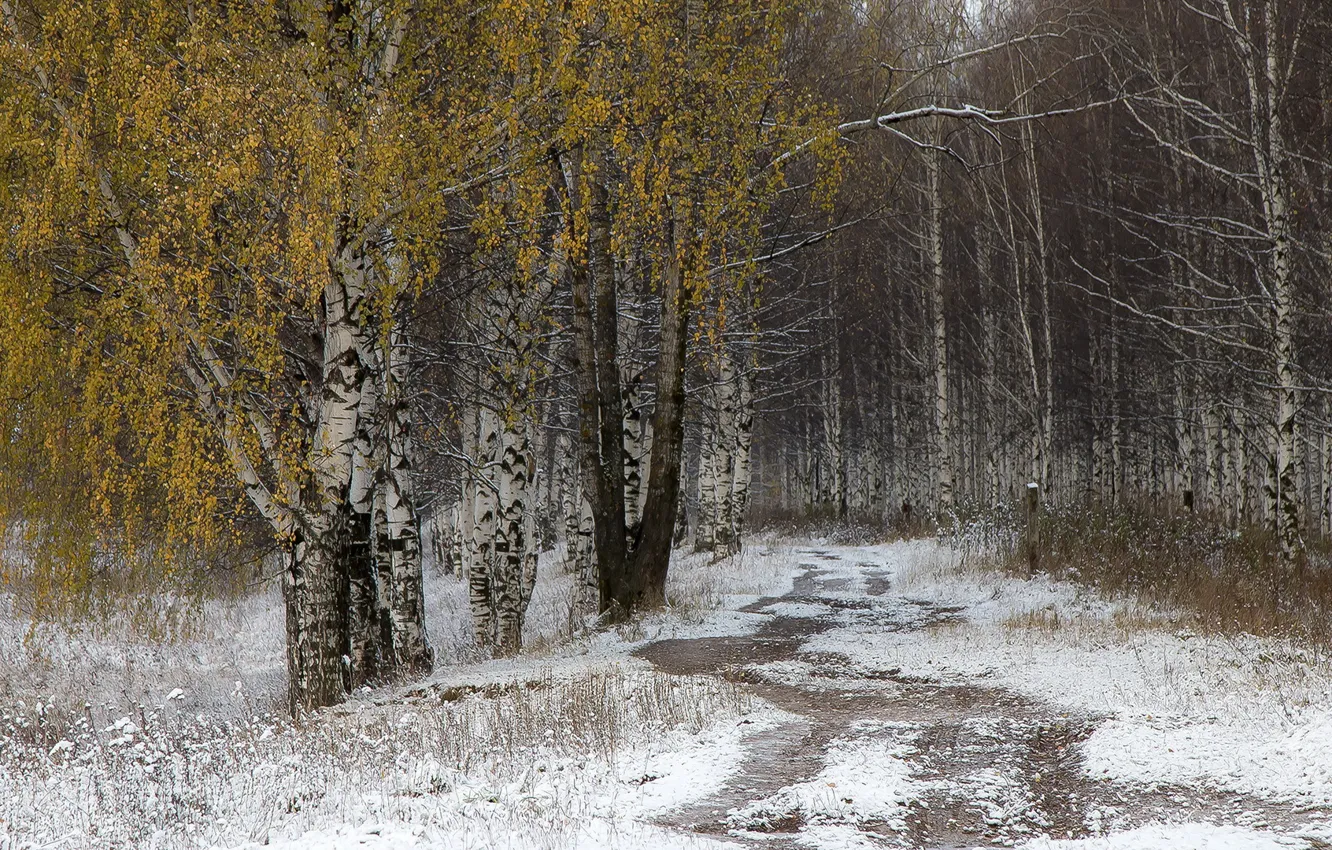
(647, 586)
(612, 543)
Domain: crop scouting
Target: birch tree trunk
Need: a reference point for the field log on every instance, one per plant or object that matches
(1116, 436)
(513, 543)
(369, 636)
(705, 534)
(744, 439)
(1213, 453)
(484, 526)
(1242, 499)
(332, 587)
(1026, 336)
(1223, 496)
(834, 491)
(506, 543)
(723, 474)
(1045, 418)
(401, 525)
(587, 592)
(988, 426)
(570, 501)
(1184, 440)
(1325, 453)
(634, 438)
(1258, 43)
(943, 422)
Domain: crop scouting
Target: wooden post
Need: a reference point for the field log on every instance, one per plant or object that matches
(1033, 527)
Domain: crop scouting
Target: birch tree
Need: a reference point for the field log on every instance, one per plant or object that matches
(248, 189)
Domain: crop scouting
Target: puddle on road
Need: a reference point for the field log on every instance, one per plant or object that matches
(876, 581)
(997, 767)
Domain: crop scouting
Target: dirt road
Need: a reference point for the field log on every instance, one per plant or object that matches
(974, 765)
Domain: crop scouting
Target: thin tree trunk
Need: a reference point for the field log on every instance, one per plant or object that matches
(1184, 441)
(481, 567)
(705, 535)
(724, 460)
(943, 422)
(632, 441)
(744, 432)
(1116, 437)
(570, 500)
(612, 541)
(835, 488)
(587, 589)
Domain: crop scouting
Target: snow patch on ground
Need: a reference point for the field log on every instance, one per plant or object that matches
(863, 779)
(681, 768)
(1236, 713)
(1184, 836)
(1283, 760)
(596, 835)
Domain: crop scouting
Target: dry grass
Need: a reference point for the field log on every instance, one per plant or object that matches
(220, 765)
(1184, 570)
(164, 778)
(859, 528)
(1087, 628)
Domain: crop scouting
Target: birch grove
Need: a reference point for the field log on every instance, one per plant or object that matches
(528, 293)
(1139, 311)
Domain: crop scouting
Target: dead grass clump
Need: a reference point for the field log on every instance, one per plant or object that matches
(1044, 620)
(1124, 623)
(821, 522)
(593, 713)
(1228, 580)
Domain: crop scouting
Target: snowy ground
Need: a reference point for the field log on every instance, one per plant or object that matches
(1046, 712)
(799, 696)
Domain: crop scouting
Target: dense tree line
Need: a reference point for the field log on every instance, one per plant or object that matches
(1128, 301)
(362, 285)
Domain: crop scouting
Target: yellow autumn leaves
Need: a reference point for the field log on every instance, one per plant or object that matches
(175, 178)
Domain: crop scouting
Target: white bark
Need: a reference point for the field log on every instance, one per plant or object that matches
(513, 544)
(1243, 480)
(943, 422)
(834, 491)
(1325, 496)
(1184, 440)
(744, 440)
(635, 450)
(569, 499)
(485, 519)
(988, 424)
(406, 594)
(705, 526)
(723, 473)
(587, 589)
